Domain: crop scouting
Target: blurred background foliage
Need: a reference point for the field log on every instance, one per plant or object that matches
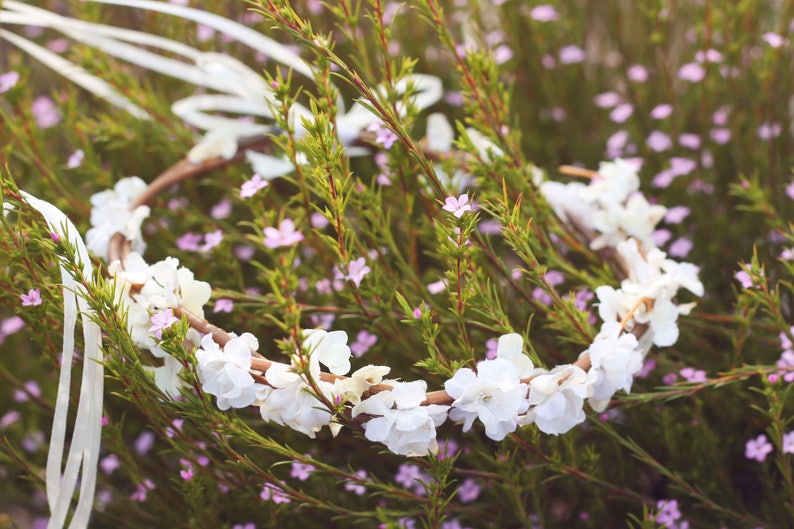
(700, 92)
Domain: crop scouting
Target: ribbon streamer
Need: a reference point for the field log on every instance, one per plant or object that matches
(87, 433)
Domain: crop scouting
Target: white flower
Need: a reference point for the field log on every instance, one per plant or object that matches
(329, 349)
(616, 180)
(567, 203)
(170, 286)
(494, 394)
(440, 133)
(350, 389)
(220, 142)
(166, 376)
(648, 291)
(486, 149)
(556, 399)
(511, 348)
(225, 372)
(292, 403)
(110, 214)
(400, 422)
(615, 359)
(637, 218)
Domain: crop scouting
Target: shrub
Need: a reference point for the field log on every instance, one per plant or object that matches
(374, 210)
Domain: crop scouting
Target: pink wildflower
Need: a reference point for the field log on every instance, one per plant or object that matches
(285, 235)
(32, 298)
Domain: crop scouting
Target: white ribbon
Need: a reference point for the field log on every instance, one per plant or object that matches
(87, 434)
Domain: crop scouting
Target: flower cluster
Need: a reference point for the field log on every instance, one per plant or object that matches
(111, 214)
(611, 206)
(149, 293)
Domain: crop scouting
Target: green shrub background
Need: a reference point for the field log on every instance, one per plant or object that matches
(673, 440)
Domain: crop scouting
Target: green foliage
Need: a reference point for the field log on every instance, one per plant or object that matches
(670, 439)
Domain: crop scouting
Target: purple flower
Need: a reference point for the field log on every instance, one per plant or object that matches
(790, 190)
(622, 112)
(457, 206)
(223, 305)
(109, 464)
(490, 348)
(161, 321)
(758, 448)
(774, 40)
(44, 112)
(663, 179)
(356, 270)
(661, 111)
(142, 490)
(689, 140)
(76, 159)
(502, 54)
(12, 325)
(301, 471)
(211, 240)
(250, 187)
(318, 220)
(768, 131)
(668, 513)
(32, 298)
(144, 442)
(244, 252)
(616, 143)
(744, 278)
(692, 72)
(411, 477)
(275, 494)
(647, 367)
(720, 136)
(221, 210)
(680, 247)
(637, 73)
(786, 366)
(788, 442)
(571, 54)
(383, 135)
(9, 418)
(8, 80)
(32, 388)
(354, 486)
(661, 236)
(677, 214)
(710, 55)
(285, 235)
(659, 141)
(682, 166)
(364, 340)
(189, 242)
(468, 491)
(606, 100)
(690, 374)
(544, 13)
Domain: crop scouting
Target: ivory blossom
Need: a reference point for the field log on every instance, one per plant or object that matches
(556, 399)
(225, 372)
(615, 357)
(110, 214)
(400, 422)
(494, 394)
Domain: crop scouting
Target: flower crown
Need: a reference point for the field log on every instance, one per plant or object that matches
(502, 392)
